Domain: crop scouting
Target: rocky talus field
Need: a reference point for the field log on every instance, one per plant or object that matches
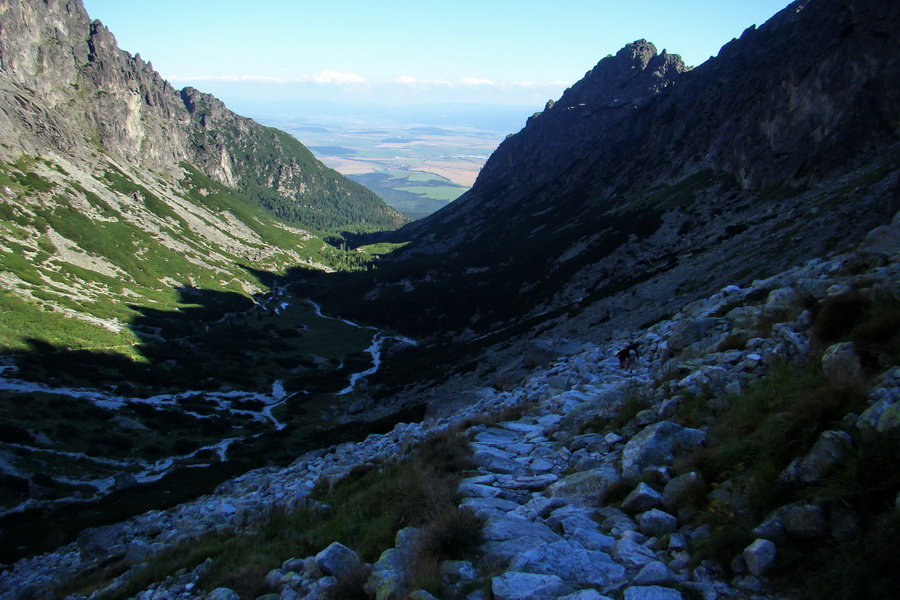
(590, 481)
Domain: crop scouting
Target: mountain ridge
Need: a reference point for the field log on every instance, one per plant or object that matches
(601, 206)
(114, 184)
(769, 95)
(68, 68)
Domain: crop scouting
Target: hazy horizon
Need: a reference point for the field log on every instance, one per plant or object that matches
(400, 52)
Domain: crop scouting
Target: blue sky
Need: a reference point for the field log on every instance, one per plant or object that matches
(398, 51)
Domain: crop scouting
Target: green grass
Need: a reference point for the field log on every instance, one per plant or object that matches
(249, 350)
(145, 261)
(757, 434)
(21, 322)
(445, 193)
(412, 192)
(365, 511)
(754, 437)
(870, 319)
(382, 248)
(636, 399)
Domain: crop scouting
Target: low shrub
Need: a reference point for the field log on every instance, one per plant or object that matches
(839, 314)
(249, 582)
(870, 319)
(351, 586)
(451, 535)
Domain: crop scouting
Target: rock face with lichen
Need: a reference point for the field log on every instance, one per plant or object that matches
(66, 88)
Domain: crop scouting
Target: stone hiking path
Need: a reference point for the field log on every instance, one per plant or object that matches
(541, 481)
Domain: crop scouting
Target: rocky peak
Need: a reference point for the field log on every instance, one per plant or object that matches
(587, 115)
(805, 96)
(632, 76)
(66, 87)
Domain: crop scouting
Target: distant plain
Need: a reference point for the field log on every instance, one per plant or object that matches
(417, 163)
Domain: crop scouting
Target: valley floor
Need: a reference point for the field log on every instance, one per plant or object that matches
(594, 481)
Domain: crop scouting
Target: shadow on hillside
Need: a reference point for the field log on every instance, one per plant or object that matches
(213, 340)
(183, 347)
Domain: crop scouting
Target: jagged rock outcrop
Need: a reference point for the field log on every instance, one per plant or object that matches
(66, 88)
(786, 104)
(650, 185)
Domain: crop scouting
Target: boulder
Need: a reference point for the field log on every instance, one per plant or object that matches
(617, 524)
(759, 556)
(457, 572)
(681, 489)
(485, 507)
(882, 240)
(889, 422)
(528, 586)
(97, 541)
(689, 331)
(805, 521)
(537, 508)
(772, 527)
(830, 450)
(124, 480)
(477, 490)
(573, 564)
(138, 551)
(386, 585)
(586, 595)
(592, 442)
(655, 573)
(604, 403)
(656, 523)
(867, 423)
(658, 444)
(223, 594)
(337, 560)
(498, 461)
(840, 364)
(591, 539)
(570, 517)
(632, 554)
(508, 537)
(652, 592)
(587, 487)
(642, 498)
(532, 482)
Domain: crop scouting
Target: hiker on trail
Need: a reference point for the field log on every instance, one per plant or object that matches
(627, 356)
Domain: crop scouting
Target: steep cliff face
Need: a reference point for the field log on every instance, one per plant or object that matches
(648, 183)
(64, 82)
(589, 113)
(809, 93)
(115, 185)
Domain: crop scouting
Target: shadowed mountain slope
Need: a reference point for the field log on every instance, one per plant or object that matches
(648, 183)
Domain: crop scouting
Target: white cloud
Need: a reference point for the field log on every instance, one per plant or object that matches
(417, 82)
(260, 78)
(327, 76)
(462, 82)
(475, 81)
